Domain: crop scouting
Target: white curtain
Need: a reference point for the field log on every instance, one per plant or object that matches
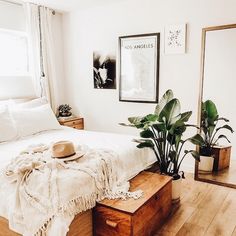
(32, 21)
(39, 20)
(48, 57)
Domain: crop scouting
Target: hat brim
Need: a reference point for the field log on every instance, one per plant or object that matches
(77, 155)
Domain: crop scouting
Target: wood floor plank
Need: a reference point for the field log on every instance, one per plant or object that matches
(234, 233)
(224, 222)
(194, 192)
(205, 210)
(189, 229)
(176, 220)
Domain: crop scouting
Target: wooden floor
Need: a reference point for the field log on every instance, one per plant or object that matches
(227, 175)
(205, 209)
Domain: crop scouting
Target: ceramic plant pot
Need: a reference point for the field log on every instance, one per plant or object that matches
(65, 114)
(176, 190)
(206, 164)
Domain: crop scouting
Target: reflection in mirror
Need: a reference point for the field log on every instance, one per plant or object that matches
(217, 98)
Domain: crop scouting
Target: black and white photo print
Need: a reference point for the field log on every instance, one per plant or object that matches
(104, 70)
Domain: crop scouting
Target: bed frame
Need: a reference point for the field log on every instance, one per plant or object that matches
(81, 225)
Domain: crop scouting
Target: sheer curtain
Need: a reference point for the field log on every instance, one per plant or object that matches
(32, 11)
(39, 21)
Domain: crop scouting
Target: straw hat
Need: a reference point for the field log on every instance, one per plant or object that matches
(64, 150)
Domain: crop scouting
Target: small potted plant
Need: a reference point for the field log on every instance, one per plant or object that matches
(210, 134)
(163, 133)
(64, 110)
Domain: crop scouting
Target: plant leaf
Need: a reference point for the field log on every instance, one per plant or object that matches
(225, 127)
(211, 129)
(211, 110)
(185, 116)
(170, 112)
(147, 134)
(135, 119)
(224, 119)
(177, 128)
(197, 140)
(223, 136)
(195, 155)
(168, 96)
(129, 125)
(140, 140)
(147, 143)
(150, 117)
(171, 138)
(159, 127)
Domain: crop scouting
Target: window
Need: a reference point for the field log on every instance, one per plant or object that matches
(14, 58)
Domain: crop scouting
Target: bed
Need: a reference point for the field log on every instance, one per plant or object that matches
(123, 145)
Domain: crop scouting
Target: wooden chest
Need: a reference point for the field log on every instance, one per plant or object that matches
(139, 217)
(221, 158)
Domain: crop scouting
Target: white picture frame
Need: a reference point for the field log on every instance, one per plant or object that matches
(175, 39)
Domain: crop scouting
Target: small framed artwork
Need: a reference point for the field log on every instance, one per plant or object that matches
(175, 39)
(139, 68)
(104, 70)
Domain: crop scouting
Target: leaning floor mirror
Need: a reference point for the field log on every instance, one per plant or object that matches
(217, 107)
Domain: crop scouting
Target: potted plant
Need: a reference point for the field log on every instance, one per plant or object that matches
(210, 134)
(64, 110)
(163, 132)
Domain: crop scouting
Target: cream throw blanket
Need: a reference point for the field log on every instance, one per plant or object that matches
(46, 187)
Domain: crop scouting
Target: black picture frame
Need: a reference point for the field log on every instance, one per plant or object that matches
(139, 59)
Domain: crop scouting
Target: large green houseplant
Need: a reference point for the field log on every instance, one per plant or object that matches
(163, 132)
(211, 132)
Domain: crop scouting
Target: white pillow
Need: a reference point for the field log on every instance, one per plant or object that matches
(6, 102)
(32, 103)
(8, 129)
(34, 120)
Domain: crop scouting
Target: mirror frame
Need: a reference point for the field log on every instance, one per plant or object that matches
(203, 48)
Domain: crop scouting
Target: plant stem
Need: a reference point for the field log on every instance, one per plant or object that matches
(181, 161)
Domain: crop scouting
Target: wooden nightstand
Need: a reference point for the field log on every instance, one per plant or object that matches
(76, 122)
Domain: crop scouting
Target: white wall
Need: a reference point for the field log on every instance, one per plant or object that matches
(99, 29)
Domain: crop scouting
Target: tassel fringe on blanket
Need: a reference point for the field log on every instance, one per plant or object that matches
(46, 187)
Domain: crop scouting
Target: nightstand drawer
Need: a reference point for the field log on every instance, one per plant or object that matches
(81, 126)
(76, 123)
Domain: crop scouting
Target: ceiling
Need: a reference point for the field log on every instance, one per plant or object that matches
(69, 5)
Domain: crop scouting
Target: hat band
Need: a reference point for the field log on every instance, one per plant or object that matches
(66, 156)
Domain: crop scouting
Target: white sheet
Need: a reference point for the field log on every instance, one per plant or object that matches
(123, 145)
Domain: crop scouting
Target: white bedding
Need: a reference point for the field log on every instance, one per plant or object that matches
(123, 145)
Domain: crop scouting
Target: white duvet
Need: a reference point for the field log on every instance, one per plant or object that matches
(128, 156)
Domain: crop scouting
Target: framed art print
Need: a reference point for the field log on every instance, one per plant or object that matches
(104, 70)
(139, 68)
(175, 39)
